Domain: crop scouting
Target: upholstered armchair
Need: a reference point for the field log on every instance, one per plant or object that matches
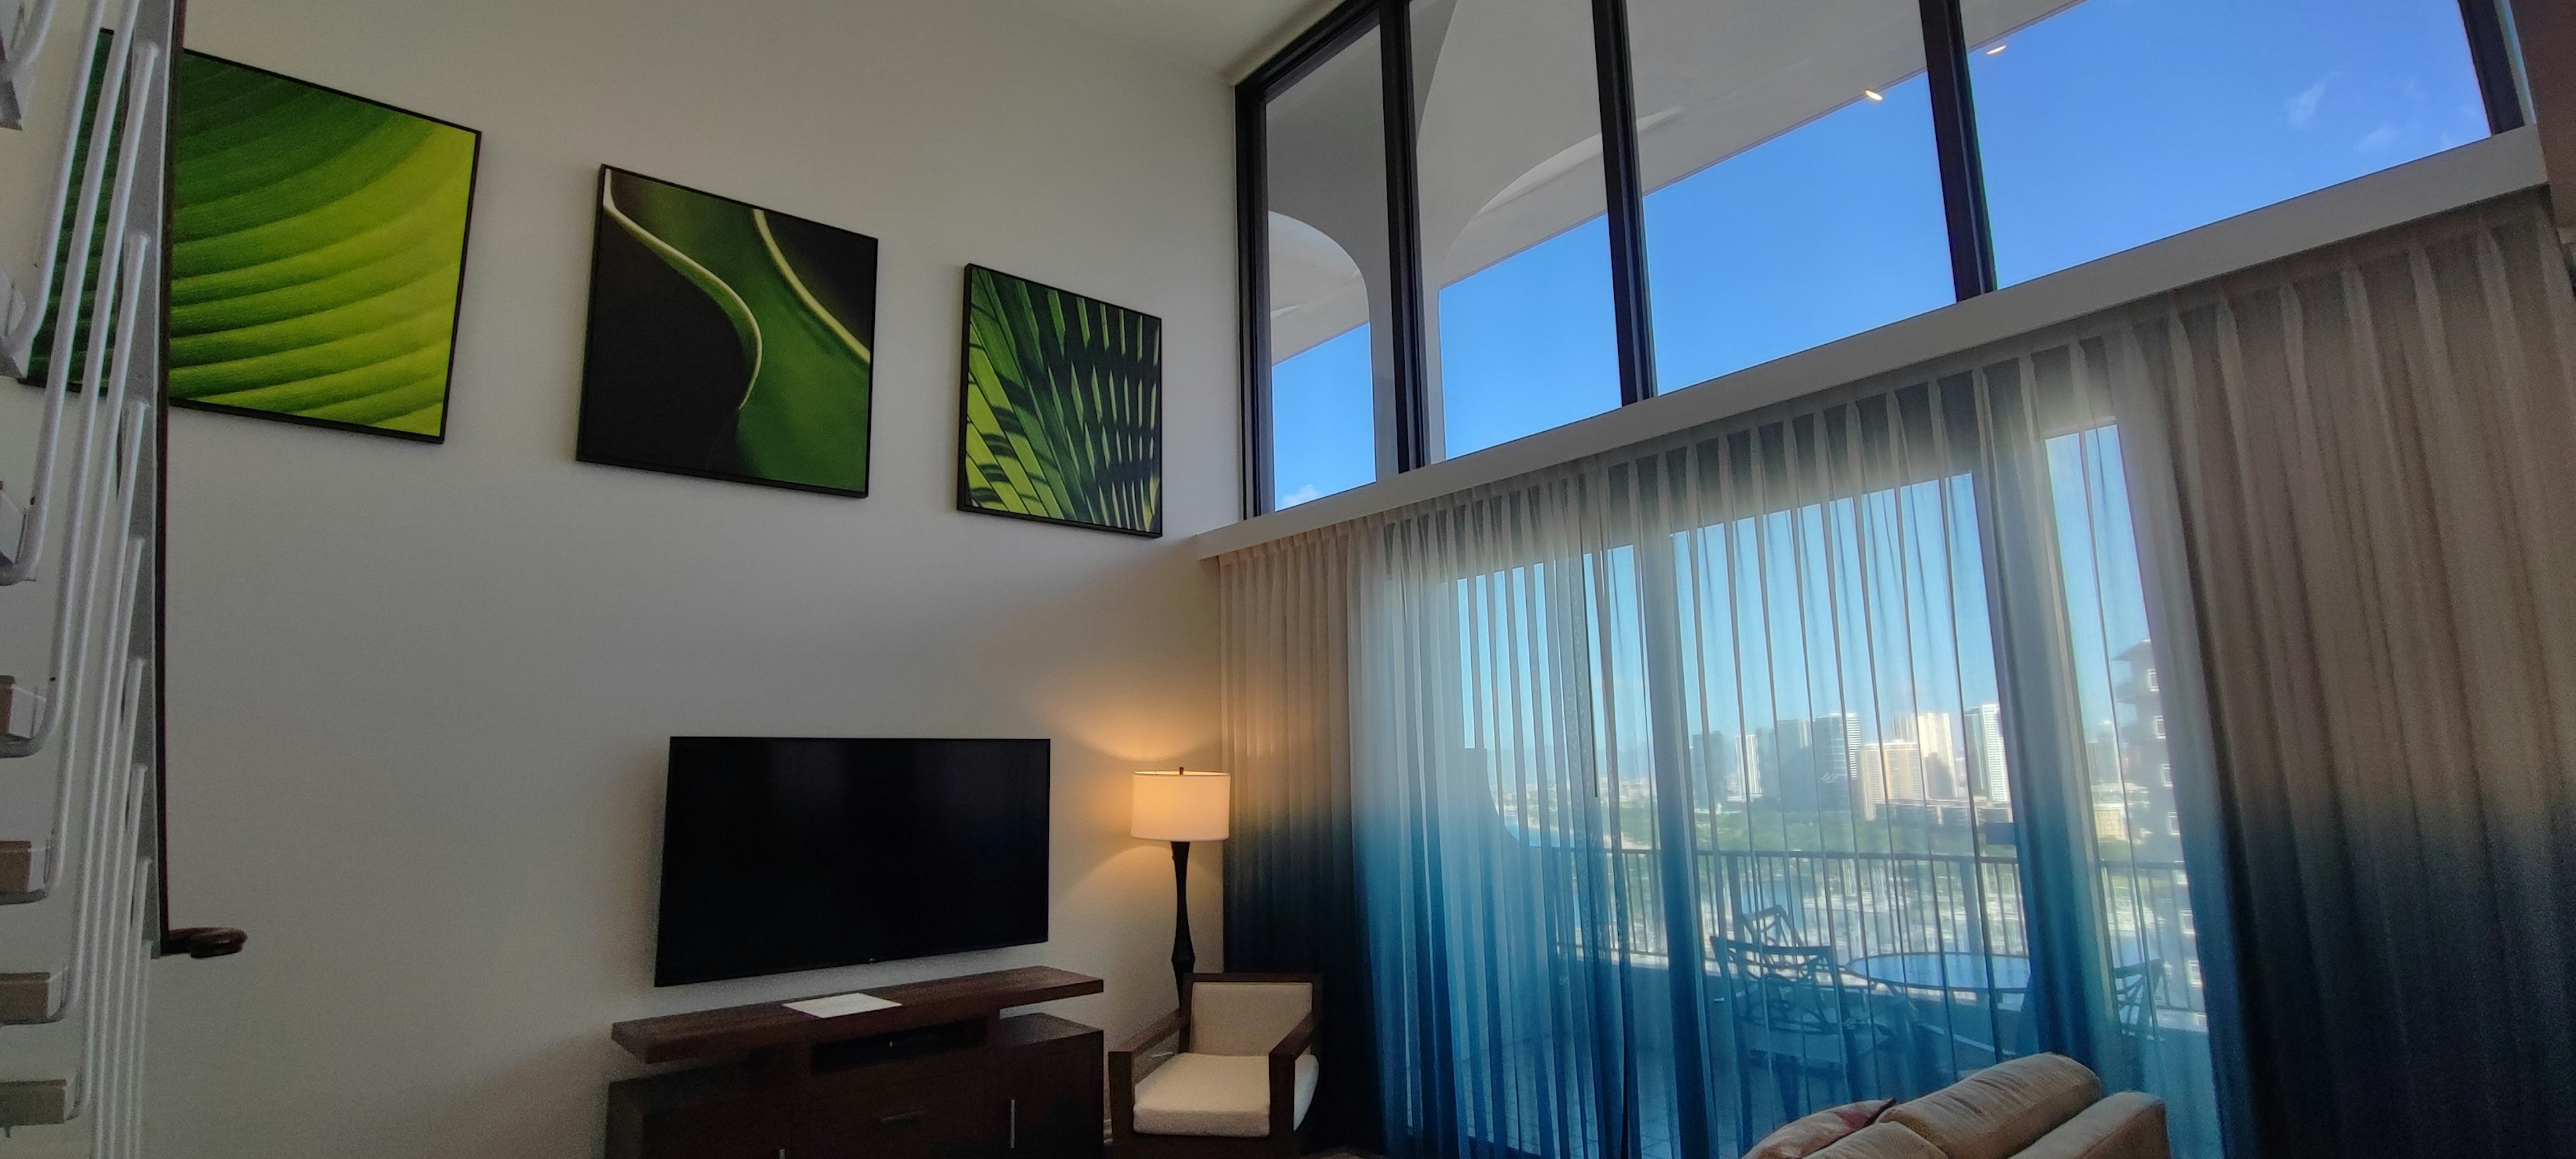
(1229, 1075)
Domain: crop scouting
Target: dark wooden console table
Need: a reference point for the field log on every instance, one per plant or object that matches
(942, 1074)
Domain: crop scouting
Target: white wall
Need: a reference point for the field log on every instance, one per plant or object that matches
(419, 694)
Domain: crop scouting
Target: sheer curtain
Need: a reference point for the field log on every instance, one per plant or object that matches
(1807, 757)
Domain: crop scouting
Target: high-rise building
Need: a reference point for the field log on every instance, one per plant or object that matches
(1937, 735)
(1805, 765)
(1788, 777)
(1890, 773)
(1830, 738)
(1719, 757)
(1989, 775)
(2146, 761)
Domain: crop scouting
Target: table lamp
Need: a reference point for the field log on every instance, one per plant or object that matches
(1180, 806)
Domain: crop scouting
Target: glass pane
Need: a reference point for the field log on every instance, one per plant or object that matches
(1851, 799)
(1515, 253)
(2161, 1036)
(1329, 373)
(1793, 194)
(2117, 122)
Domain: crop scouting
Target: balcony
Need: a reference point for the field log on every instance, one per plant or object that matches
(1894, 924)
(1866, 905)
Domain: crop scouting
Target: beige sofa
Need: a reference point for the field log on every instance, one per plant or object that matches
(2046, 1106)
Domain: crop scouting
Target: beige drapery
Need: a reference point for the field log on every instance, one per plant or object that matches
(1292, 901)
(2372, 451)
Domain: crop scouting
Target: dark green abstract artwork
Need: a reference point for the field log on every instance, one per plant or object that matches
(317, 245)
(727, 341)
(1063, 407)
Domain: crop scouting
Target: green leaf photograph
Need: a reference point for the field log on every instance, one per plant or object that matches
(1063, 407)
(317, 248)
(727, 341)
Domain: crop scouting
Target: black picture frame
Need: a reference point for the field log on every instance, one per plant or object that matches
(966, 499)
(464, 248)
(591, 439)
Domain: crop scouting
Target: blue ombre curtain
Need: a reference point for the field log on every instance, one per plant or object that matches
(1814, 756)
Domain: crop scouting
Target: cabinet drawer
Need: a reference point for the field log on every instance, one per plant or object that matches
(953, 1116)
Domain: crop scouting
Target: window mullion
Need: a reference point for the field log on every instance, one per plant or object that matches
(1404, 235)
(2493, 60)
(1954, 133)
(1252, 234)
(1625, 196)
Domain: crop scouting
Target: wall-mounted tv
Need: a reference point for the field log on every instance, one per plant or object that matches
(783, 854)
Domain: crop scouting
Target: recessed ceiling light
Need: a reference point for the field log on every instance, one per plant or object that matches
(1872, 94)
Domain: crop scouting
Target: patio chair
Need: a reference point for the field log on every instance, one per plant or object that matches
(1795, 1014)
(2135, 991)
(1769, 926)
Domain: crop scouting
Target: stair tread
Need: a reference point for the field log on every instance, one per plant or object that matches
(35, 1103)
(26, 998)
(20, 706)
(17, 871)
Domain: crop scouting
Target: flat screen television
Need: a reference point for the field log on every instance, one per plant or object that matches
(782, 854)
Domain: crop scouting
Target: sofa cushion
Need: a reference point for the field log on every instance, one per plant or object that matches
(1881, 1141)
(2128, 1125)
(1799, 1138)
(1998, 1111)
(1224, 1095)
(1245, 1017)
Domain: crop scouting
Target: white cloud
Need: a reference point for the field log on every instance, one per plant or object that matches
(2380, 138)
(2303, 107)
(1301, 495)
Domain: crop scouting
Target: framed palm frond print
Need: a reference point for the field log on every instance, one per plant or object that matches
(317, 251)
(726, 340)
(1062, 407)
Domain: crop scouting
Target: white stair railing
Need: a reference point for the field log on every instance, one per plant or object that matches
(81, 555)
(25, 41)
(28, 316)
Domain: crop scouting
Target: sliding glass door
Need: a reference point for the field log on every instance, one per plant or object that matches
(1813, 758)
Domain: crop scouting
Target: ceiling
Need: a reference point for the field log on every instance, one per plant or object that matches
(1221, 36)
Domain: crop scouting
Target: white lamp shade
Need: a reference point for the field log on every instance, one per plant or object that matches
(1182, 806)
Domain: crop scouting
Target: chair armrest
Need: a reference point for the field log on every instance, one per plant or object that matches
(1299, 1038)
(1123, 1071)
(1283, 1076)
(1162, 1028)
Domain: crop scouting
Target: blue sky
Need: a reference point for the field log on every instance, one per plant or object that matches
(2111, 124)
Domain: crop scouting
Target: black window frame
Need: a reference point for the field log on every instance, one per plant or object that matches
(1336, 31)
(1954, 127)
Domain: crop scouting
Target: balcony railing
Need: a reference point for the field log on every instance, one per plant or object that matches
(1869, 904)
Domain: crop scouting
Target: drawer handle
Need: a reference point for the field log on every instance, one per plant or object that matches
(905, 1117)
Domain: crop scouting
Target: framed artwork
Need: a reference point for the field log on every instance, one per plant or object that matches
(1062, 407)
(727, 341)
(316, 251)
